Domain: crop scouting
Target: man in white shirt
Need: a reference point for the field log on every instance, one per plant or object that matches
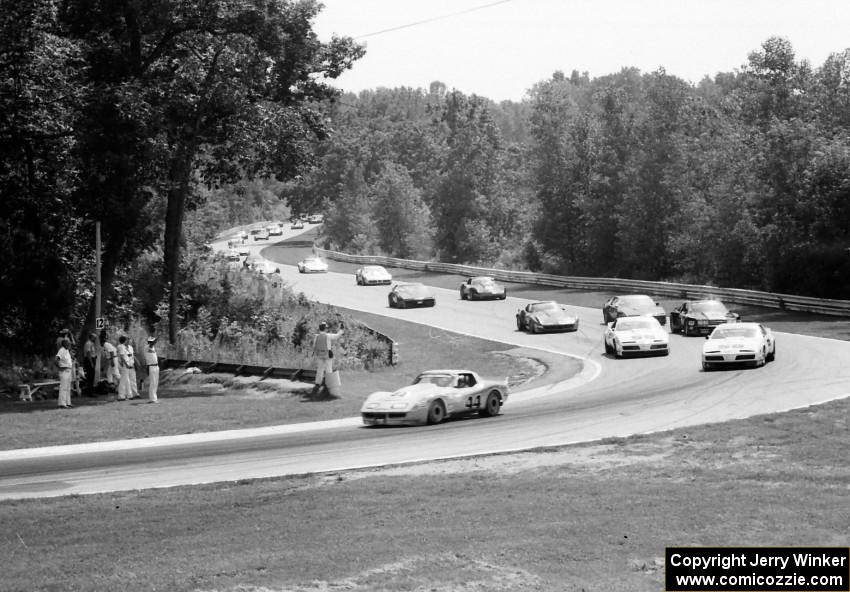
(124, 362)
(64, 363)
(133, 379)
(152, 362)
(323, 352)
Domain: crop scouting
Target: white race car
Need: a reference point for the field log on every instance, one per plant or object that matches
(642, 335)
(434, 396)
(738, 343)
(312, 264)
(372, 275)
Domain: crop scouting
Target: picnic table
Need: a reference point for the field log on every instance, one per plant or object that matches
(30, 390)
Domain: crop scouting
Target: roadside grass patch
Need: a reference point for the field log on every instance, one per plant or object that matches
(592, 516)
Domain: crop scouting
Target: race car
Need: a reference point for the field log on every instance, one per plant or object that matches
(315, 219)
(434, 396)
(297, 224)
(274, 229)
(700, 316)
(312, 264)
(738, 343)
(372, 275)
(406, 294)
(481, 287)
(266, 267)
(633, 305)
(233, 255)
(243, 234)
(629, 336)
(548, 315)
(261, 234)
(243, 250)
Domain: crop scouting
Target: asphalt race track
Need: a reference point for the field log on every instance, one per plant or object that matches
(610, 397)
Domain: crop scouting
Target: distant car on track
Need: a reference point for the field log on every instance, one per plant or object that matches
(404, 295)
(261, 234)
(700, 316)
(737, 344)
(630, 336)
(545, 316)
(233, 255)
(633, 305)
(482, 287)
(243, 250)
(434, 396)
(312, 264)
(297, 224)
(274, 230)
(373, 275)
(315, 219)
(243, 235)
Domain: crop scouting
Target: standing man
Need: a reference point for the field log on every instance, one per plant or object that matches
(111, 361)
(152, 362)
(64, 363)
(324, 354)
(124, 362)
(133, 379)
(89, 363)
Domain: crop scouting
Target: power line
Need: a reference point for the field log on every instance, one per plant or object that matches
(432, 19)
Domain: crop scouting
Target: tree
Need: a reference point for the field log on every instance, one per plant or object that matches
(224, 89)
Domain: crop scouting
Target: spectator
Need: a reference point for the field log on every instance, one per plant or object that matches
(64, 363)
(110, 354)
(131, 371)
(152, 363)
(89, 363)
(124, 364)
(323, 352)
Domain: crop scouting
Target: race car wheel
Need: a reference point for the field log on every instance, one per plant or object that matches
(706, 366)
(684, 328)
(462, 295)
(518, 324)
(493, 404)
(471, 295)
(436, 412)
(608, 348)
(772, 355)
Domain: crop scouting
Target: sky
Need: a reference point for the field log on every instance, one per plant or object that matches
(499, 49)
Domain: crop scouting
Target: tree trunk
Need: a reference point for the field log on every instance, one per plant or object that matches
(179, 174)
(111, 256)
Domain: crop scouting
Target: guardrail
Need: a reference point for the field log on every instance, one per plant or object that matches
(683, 291)
(299, 374)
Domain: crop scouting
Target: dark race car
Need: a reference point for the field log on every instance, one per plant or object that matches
(633, 305)
(482, 287)
(404, 295)
(700, 317)
(542, 317)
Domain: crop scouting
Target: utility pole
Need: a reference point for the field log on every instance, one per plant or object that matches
(97, 312)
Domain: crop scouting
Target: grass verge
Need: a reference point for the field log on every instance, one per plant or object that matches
(191, 403)
(583, 517)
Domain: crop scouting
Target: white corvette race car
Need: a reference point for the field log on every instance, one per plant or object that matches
(434, 396)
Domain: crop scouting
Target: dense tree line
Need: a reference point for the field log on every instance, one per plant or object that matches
(125, 113)
(742, 180)
(166, 121)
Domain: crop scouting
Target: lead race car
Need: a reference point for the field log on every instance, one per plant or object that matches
(434, 396)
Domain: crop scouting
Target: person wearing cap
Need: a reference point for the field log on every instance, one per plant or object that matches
(323, 352)
(64, 363)
(152, 362)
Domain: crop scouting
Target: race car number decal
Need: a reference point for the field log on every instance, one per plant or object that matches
(473, 401)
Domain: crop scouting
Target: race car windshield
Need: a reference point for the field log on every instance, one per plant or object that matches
(438, 379)
(635, 325)
(415, 291)
(484, 282)
(545, 307)
(727, 332)
(716, 307)
(373, 270)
